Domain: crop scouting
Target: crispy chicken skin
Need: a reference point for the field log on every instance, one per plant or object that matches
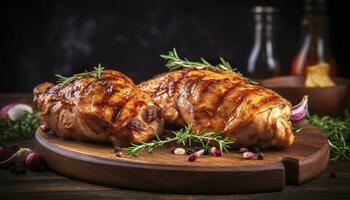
(111, 109)
(222, 102)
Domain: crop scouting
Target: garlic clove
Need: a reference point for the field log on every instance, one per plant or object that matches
(300, 110)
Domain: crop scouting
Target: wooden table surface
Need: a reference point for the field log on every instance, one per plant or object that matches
(333, 184)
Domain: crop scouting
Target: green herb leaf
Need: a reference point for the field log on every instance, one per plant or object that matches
(97, 73)
(337, 129)
(11, 130)
(296, 128)
(174, 62)
(183, 136)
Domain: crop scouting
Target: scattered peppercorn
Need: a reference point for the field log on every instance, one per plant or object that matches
(248, 155)
(216, 152)
(117, 148)
(206, 151)
(192, 150)
(119, 154)
(260, 156)
(212, 150)
(192, 157)
(195, 155)
(189, 151)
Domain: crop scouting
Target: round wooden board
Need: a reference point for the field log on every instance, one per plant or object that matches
(162, 171)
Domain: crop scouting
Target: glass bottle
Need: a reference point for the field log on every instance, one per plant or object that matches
(262, 62)
(315, 46)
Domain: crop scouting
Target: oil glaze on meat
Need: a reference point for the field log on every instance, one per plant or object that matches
(111, 109)
(221, 101)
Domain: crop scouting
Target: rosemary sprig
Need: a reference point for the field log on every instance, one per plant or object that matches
(337, 129)
(96, 73)
(11, 130)
(174, 62)
(296, 128)
(183, 136)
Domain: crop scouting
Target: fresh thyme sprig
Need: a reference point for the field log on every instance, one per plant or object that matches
(96, 73)
(183, 136)
(26, 125)
(175, 62)
(337, 129)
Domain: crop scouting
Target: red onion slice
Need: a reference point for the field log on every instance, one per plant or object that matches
(14, 111)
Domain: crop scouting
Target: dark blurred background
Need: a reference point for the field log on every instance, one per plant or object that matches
(43, 37)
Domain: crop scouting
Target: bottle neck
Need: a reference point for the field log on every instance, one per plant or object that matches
(262, 61)
(315, 28)
(315, 35)
(263, 29)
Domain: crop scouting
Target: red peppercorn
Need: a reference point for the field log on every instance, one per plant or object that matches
(260, 156)
(212, 150)
(248, 155)
(195, 155)
(117, 148)
(218, 153)
(119, 154)
(34, 161)
(192, 157)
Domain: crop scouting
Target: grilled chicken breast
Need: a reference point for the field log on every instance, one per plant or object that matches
(111, 109)
(222, 102)
(164, 88)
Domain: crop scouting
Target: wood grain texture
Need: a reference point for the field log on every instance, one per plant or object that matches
(49, 185)
(166, 172)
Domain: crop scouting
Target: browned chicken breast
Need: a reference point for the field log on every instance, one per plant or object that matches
(222, 102)
(109, 109)
(163, 89)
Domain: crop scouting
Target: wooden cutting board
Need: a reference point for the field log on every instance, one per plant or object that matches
(162, 171)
